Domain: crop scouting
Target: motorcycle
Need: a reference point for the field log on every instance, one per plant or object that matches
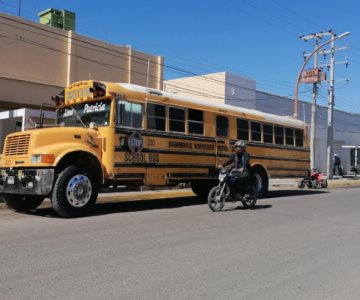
(315, 179)
(246, 193)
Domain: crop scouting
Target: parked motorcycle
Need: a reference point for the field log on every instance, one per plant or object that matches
(314, 179)
(246, 193)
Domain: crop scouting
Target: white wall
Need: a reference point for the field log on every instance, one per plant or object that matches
(240, 91)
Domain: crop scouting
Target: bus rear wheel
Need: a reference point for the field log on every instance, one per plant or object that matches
(22, 203)
(75, 192)
(262, 182)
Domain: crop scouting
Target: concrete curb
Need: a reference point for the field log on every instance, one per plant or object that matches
(130, 196)
(334, 183)
(163, 194)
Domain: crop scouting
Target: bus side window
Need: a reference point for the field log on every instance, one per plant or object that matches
(177, 119)
(129, 114)
(242, 129)
(196, 121)
(156, 117)
(222, 124)
(279, 135)
(268, 133)
(256, 131)
(289, 136)
(299, 138)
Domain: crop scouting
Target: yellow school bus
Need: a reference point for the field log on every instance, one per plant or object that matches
(123, 134)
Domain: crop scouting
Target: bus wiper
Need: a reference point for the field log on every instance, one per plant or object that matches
(90, 138)
(77, 116)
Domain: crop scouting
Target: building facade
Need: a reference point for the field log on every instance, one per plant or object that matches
(235, 90)
(37, 61)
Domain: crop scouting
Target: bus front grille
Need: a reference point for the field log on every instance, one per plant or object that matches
(17, 144)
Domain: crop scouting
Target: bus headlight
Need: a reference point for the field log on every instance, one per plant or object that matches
(43, 158)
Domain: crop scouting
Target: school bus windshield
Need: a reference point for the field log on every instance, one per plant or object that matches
(97, 112)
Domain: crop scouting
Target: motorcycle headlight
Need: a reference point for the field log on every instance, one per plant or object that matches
(222, 177)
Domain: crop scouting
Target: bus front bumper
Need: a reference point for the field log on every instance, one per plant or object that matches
(26, 181)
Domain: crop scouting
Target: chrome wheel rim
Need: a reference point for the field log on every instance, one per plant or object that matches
(79, 190)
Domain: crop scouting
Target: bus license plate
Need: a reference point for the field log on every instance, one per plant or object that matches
(11, 180)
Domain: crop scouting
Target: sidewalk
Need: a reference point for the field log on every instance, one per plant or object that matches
(274, 184)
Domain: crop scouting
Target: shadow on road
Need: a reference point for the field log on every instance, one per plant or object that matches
(130, 206)
(143, 205)
(240, 207)
(292, 193)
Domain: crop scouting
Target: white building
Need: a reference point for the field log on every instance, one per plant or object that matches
(235, 90)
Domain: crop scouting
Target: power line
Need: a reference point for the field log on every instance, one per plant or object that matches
(139, 59)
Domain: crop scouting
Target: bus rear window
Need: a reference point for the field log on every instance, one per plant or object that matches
(176, 119)
(279, 135)
(289, 136)
(268, 133)
(243, 129)
(156, 117)
(255, 131)
(299, 138)
(196, 121)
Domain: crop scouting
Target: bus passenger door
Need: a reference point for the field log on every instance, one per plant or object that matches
(221, 151)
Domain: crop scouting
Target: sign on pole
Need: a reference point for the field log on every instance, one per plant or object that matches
(312, 76)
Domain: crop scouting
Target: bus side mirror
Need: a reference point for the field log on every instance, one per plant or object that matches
(92, 125)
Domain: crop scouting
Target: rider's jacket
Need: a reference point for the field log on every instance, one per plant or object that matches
(239, 160)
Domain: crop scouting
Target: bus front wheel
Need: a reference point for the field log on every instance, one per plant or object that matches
(75, 192)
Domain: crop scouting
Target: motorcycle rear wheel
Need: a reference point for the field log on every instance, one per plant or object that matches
(250, 199)
(216, 201)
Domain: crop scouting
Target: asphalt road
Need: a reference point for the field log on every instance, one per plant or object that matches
(294, 245)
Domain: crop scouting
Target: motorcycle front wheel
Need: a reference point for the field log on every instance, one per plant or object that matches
(301, 184)
(249, 200)
(216, 199)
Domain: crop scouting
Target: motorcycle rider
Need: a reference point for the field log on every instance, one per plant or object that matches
(241, 165)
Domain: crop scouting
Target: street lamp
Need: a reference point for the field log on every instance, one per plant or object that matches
(312, 141)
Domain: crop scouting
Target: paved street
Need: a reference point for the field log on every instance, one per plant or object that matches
(297, 244)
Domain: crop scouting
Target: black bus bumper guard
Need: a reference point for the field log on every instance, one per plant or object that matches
(26, 181)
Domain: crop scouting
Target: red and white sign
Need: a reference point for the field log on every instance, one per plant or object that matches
(313, 76)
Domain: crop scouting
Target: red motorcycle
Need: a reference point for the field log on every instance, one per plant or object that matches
(314, 179)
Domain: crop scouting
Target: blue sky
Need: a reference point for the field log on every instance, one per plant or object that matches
(258, 39)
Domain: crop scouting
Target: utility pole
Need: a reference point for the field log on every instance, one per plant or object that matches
(309, 78)
(315, 36)
(330, 123)
(331, 104)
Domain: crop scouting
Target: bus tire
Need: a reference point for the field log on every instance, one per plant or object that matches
(22, 203)
(75, 192)
(262, 181)
(201, 189)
